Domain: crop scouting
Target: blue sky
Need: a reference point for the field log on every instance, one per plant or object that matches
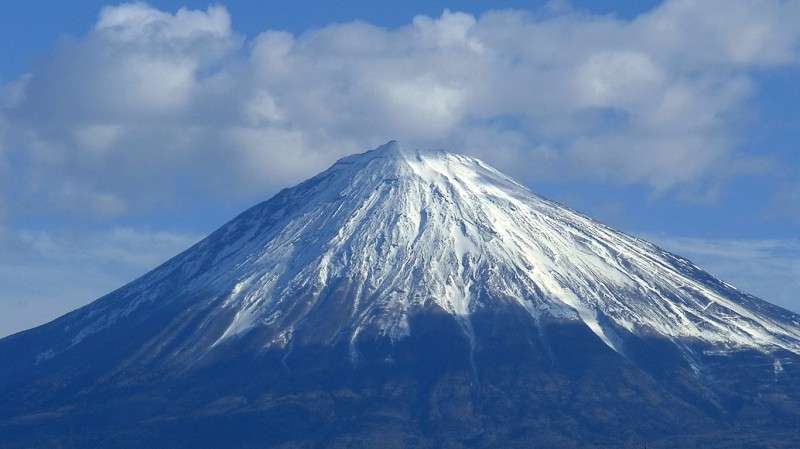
(129, 131)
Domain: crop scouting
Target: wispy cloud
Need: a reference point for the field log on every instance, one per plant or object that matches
(46, 274)
(766, 268)
(785, 204)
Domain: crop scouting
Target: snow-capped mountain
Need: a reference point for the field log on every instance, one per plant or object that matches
(397, 250)
(401, 230)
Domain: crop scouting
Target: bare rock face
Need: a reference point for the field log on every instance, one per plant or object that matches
(410, 299)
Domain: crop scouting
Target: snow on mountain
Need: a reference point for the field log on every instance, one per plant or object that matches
(382, 235)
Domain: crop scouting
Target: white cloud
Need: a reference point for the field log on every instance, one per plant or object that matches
(148, 99)
(737, 33)
(137, 22)
(617, 78)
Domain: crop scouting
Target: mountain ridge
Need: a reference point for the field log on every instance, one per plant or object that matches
(433, 273)
(430, 170)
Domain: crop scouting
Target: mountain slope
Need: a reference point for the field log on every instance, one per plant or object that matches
(419, 269)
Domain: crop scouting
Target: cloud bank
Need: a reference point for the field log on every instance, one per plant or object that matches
(151, 107)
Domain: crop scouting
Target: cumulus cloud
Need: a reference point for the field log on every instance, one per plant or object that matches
(769, 268)
(45, 274)
(152, 107)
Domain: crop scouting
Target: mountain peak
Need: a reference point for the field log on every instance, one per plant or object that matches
(393, 152)
(437, 169)
(390, 147)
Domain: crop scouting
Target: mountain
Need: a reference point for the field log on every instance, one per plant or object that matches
(409, 298)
